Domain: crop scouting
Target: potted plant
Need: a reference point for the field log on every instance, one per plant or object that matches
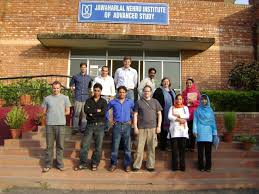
(247, 141)
(24, 87)
(15, 119)
(229, 124)
(2, 92)
(40, 119)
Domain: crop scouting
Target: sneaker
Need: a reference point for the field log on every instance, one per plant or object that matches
(208, 170)
(150, 169)
(201, 169)
(46, 169)
(80, 167)
(61, 168)
(94, 167)
(135, 169)
(127, 169)
(74, 132)
(112, 168)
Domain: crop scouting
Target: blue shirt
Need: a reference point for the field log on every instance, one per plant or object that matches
(121, 112)
(82, 83)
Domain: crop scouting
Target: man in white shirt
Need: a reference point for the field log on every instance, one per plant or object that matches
(126, 76)
(107, 82)
(148, 81)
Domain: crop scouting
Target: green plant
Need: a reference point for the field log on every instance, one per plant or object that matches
(16, 117)
(232, 100)
(229, 121)
(245, 76)
(247, 139)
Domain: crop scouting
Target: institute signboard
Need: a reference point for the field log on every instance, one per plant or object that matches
(120, 12)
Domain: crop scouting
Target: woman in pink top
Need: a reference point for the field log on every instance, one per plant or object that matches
(191, 96)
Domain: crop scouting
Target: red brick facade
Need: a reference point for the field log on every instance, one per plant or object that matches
(231, 26)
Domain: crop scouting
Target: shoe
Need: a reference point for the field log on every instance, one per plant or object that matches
(112, 168)
(94, 167)
(208, 170)
(135, 169)
(174, 169)
(61, 169)
(150, 169)
(182, 169)
(201, 169)
(80, 167)
(127, 169)
(46, 169)
(74, 132)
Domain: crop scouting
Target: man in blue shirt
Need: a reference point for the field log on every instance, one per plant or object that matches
(122, 115)
(80, 84)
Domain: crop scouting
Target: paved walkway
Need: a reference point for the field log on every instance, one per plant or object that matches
(54, 191)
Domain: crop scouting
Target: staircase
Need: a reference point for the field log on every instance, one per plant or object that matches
(21, 161)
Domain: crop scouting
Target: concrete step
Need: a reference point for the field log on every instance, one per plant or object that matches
(27, 143)
(120, 180)
(160, 164)
(124, 183)
(160, 155)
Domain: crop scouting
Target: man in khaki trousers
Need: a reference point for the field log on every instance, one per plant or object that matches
(147, 123)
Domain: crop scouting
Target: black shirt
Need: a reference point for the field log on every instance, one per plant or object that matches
(91, 107)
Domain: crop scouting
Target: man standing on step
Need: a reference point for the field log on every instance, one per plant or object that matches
(147, 123)
(150, 81)
(122, 115)
(80, 84)
(56, 107)
(95, 110)
(126, 76)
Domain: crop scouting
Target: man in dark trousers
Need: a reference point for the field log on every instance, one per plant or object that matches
(95, 110)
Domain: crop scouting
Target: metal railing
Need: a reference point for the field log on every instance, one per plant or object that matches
(38, 86)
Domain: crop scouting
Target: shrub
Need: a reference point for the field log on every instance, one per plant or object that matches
(16, 117)
(247, 139)
(231, 100)
(244, 76)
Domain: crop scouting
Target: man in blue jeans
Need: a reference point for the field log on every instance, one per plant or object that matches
(122, 116)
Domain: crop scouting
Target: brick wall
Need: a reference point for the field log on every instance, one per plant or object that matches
(229, 24)
(247, 123)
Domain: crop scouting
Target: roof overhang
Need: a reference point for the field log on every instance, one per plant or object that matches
(143, 42)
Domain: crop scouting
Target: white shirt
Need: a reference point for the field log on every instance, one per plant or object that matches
(126, 77)
(176, 129)
(107, 84)
(146, 81)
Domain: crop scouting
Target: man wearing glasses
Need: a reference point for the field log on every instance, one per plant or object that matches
(95, 110)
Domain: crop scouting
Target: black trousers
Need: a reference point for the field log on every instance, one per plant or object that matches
(204, 148)
(191, 140)
(162, 138)
(178, 153)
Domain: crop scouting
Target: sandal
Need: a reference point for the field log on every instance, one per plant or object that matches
(94, 167)
(80, 167)
(46, 169)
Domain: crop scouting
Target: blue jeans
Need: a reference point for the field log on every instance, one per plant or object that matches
(121, 132)
(130, 94)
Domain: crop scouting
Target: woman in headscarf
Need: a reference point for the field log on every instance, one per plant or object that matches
(204, 128)
(178, 132)
(191, 99)
(165, 96)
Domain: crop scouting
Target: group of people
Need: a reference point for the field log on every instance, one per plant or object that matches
(159, 116)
